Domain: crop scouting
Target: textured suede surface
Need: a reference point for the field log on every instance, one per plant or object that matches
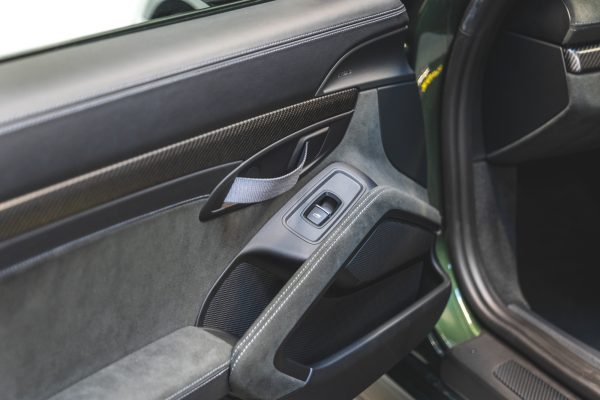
(362, 148)
(495, 211)
(253, 374)
(187, 360)
(67, 314)
(71, 312)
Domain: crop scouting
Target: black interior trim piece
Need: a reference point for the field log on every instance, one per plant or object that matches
(562, 22)
(525, 86)
(551, 111)
(232, 143)
(336, 321)
(355, 366)
(462, 95)
(403, 129)
(375, 63)
(571, 131)
(342, 187)
(390, 246)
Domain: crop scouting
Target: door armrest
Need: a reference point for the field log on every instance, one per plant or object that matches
(189, 361)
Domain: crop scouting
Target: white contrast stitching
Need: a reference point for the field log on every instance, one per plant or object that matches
(197, 69)
(325, 252)
(297, 276)
(304, 278)
(199, 380)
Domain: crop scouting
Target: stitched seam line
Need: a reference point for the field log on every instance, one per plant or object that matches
(350, 224)
(198, 383)
(302, 280)
(131, 89)
(206, 382)
(159, 80)
(297, 277)
(280, 296)
(134, 90)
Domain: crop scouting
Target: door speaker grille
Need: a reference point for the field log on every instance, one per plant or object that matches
(239, 299)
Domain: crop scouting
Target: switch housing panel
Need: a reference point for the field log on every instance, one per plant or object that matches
(335, 192)
(323, 209)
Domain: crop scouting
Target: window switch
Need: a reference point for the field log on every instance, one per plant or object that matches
(328, 203)
(322, 209)
(317, 215)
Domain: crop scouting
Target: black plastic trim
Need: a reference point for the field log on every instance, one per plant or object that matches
(524, 87)
(377, 62)
(403, 129)
(353, 368)
(351, 188)
(562, 22)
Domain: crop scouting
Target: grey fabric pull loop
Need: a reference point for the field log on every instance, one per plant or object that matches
(255, 190)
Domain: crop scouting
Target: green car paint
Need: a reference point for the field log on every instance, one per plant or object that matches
(456, 325)
(432, 32)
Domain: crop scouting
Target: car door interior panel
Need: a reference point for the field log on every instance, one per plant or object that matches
(233, 205)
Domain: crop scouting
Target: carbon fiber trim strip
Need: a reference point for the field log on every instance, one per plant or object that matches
(524, 383)
(232, 143)
(583, 59)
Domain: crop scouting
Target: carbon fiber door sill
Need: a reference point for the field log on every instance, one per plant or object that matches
(524, 383)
